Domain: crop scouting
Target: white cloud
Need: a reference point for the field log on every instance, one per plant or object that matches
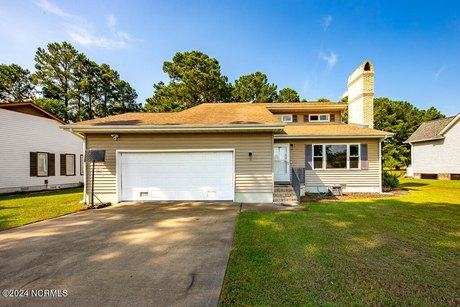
(81, 32)
(440, 71)
(331, 59)
(84, 37)
(49, 7)
(112, 21)
(327, 22)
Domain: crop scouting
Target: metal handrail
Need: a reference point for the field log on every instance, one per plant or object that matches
(296, 184)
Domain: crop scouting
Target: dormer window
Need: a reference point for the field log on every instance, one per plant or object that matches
(287, 118)
(319, 117)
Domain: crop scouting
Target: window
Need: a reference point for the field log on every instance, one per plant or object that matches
(287, 118)
(42, 164)
(336, 156)
(81, 164)
(319, 117)
(354, 156)
(70, 165)
(318, 156)
(67, 165)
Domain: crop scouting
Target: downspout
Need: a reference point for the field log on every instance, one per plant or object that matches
(380, 165)
(412, 158)
(84, 171)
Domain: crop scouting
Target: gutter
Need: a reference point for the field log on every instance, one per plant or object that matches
(341, 107)
(171, 128)
(331, 136)
(424, 140)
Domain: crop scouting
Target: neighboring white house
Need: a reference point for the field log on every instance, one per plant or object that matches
(35, 154)
(436, 149)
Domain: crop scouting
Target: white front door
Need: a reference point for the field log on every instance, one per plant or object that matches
(282, 163)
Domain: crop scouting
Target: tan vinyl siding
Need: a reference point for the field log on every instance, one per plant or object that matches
(350, 178)
(253, 173)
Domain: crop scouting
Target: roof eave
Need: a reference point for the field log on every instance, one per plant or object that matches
(325, 107)
(174, 129)
(331, 136)
(423, 140)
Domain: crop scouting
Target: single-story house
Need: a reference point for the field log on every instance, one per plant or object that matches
(35, 154)
(435, 149)
(242, 152)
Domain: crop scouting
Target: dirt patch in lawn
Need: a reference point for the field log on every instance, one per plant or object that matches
(314, 197)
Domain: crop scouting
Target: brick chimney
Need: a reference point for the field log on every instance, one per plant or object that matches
(361, 95)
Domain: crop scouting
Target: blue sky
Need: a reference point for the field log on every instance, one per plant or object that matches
(311, 46)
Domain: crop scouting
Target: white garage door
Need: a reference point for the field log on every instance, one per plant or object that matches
(206, 175)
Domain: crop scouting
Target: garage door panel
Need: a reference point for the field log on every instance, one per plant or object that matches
(177, 176)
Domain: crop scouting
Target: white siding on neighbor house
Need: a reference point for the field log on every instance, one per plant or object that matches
(22, 134)
(253, 173)
(354, 180)
(438, 157)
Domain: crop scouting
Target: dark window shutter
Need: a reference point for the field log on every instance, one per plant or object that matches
(33, 164)
(364, 157)
(308, 157)
(305, 118)
(63, 164)
(51, 165)
(294, 118)
(332, 118)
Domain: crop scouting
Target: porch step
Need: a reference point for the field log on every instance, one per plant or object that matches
(284, 194)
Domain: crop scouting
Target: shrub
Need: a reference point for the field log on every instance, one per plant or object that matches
(389, 180)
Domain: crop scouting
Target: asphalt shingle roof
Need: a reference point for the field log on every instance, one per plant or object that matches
(332, 129)
(214, 114)
(430, 130)
(203, 114)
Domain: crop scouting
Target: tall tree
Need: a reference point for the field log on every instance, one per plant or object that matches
(288, 95)
(401, 118)
(124, 99)
(344, 116)
(322, 99)
(194, 78)
(15, 83)
(108, 89)
(254, 88)
(55, 67)
(53, 106)
(431, 114)
(87, 89)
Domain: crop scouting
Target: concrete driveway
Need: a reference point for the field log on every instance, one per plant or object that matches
(170, 254)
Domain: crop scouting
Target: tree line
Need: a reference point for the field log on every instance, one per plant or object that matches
(68, 84)
(74, 88)
(402, 118)
(196, 78)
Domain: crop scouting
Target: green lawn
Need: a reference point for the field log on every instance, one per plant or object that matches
(391, 251)
(21, 209)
